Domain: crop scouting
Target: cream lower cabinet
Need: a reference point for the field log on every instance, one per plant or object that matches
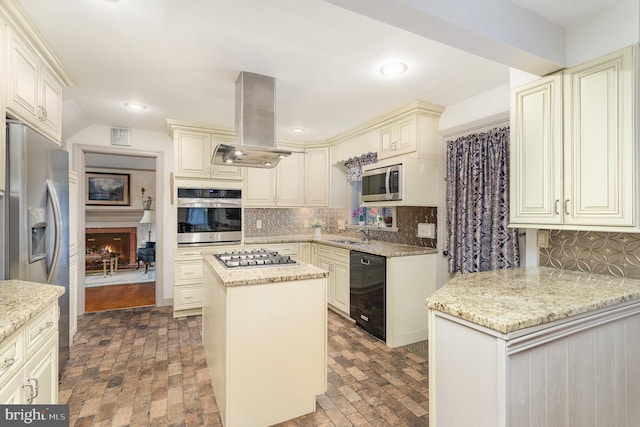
(187, 285)
(29, 361)
(336, 261)
(574, 160)
(576, 372)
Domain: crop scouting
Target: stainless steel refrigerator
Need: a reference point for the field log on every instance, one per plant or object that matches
(36, 216)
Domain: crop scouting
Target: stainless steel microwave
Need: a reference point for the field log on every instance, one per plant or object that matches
(382, 184)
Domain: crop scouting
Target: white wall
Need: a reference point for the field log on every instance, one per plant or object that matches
(145, 143)
(608, 31)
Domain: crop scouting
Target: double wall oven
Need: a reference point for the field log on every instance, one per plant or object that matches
(208, 216)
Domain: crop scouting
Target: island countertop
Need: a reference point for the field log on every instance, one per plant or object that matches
(261, 275)
(20, 301)
(376, 247)
(513, 299)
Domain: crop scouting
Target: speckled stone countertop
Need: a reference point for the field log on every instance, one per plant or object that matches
(261, 275)
(513, 299)
(375, 247)
(20, 301)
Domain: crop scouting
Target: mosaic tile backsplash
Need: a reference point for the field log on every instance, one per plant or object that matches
(615, 254)
(290, 221)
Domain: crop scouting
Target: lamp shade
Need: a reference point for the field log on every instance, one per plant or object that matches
(146, 217)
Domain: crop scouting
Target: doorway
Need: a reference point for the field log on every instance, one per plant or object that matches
(118, 230)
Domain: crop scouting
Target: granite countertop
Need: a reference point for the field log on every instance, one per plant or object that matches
(375, 247)
(262, 275)
(513, 299)
(20, 301)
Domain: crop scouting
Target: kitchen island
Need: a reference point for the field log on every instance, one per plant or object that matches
(534, 347)
(265, 340)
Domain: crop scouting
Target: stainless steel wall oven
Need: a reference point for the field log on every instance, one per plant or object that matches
(208, 216)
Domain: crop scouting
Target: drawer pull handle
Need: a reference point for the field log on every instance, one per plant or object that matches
(188, 273)
(46, 326)
(191, 297)
(8, 363)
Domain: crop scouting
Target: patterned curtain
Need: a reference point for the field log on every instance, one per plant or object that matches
(354, 165)
(478, 203)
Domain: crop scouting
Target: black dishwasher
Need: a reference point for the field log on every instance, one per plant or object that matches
(368, 292)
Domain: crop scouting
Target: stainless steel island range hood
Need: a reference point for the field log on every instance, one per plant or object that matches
(255, 123)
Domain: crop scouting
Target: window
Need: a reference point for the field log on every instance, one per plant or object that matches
(371, 216)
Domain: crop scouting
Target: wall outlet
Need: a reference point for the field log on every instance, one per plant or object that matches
(341, 225)
(306, 223)
(259, 224)
(426, 230)
(542, 239)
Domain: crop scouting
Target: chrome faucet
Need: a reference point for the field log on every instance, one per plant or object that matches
(365, 232)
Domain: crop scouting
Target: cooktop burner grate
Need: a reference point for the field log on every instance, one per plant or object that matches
(254, 258)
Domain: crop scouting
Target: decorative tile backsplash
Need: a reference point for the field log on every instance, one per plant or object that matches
(615, 254)
(290, 221)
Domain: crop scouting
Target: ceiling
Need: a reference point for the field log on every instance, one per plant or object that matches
(181, 59)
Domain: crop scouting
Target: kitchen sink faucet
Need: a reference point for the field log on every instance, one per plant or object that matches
(365, 232)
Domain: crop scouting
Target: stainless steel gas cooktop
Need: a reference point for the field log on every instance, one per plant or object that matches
(254, 258)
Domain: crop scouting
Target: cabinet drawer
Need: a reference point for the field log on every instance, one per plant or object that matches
(187, 296)
(281, 248)
(191, 254)
(41, 327)
(338, 254)
(189, 271)
(12, 354)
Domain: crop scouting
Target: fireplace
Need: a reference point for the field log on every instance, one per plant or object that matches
(105, 243)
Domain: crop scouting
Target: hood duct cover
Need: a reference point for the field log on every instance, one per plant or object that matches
(255, 124)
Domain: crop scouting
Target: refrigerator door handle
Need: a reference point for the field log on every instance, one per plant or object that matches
(57, 219)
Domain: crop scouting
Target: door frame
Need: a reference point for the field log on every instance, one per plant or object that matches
(80, 167)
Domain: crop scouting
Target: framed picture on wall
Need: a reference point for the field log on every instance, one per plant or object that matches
(107, 189)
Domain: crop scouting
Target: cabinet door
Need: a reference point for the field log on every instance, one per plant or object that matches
(405, 136)
(42, 373)
(11, 393)
(327, 265)
(304, 252)
(599, 141)
(193, 153)
(341, 286)
(290, 181)
(536, 152)
(385, 142)
(260, 187)
(316, 180)
(50, 104)
(23, 79)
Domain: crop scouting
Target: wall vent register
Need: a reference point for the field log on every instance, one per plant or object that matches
(254, 258)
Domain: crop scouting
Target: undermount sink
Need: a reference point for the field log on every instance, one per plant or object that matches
(349, 242)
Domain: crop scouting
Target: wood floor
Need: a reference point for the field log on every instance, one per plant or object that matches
(111, 297)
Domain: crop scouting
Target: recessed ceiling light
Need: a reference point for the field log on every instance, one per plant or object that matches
(298, 130)
(135, 106)
(393, 69)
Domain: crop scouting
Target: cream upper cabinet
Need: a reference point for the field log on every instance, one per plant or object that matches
(576, 166)
(35, 93)
(316, 177)
(260, 187)
(290, 179)
(398, 137)
(601, 157)
(282, 186)
(193, 150)
(536, 152)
